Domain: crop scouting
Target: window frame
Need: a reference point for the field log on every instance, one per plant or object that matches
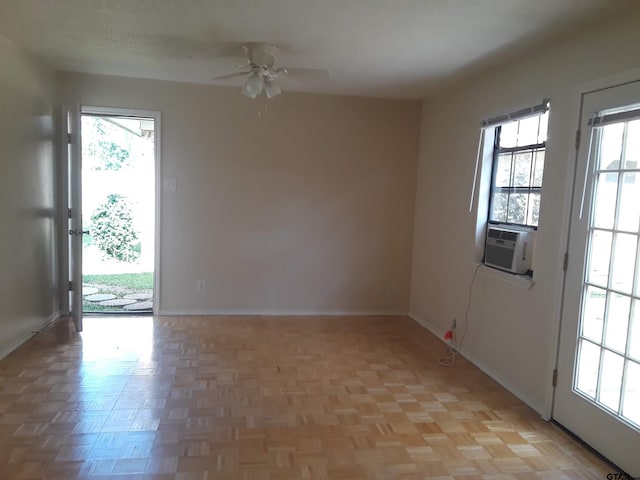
(497, 150)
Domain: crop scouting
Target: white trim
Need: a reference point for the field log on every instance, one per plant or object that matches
(489, 371)
(581, 89)
(281, 313)
(417, 318)
(521, 281)
(50, 319)
(604, 83)
(540, 409)
(158, 154)
(63, 205)
(157, 118)
(27, 336)
(72, 192)
(117, 111)
(15, 345)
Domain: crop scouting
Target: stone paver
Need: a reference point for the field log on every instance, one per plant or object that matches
(117, 302)
(139, 296)
(139, 306)
(100, 297)
(89, 290)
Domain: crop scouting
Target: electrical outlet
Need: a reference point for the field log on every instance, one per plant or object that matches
(170, 184)
(201, 285)
(386, 290)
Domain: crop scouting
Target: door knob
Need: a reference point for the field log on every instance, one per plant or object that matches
(78, 232)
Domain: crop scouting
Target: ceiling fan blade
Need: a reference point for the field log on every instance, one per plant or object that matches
(230, 75)
(288, 82)
(302, 72)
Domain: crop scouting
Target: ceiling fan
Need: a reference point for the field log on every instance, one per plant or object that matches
(262, 74)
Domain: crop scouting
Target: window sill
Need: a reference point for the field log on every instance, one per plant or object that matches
(522, 281)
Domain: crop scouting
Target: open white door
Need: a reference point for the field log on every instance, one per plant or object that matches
(72, 159)
(597, 395)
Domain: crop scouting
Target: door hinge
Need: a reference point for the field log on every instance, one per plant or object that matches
(69, 138)
(69, 213)
(565, 262)
(554, 379)
(578, 135)
(70, 286)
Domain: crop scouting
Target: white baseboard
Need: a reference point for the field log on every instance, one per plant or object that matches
(506, 384)
(10, 348)
(279, 313)
(478, 363)
(426, 325)
(50, 319)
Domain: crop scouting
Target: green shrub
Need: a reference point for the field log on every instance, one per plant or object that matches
(99, 150)
(112, 228)
(111, 156)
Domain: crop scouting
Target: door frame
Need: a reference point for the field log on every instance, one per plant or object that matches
(581, 90)
(64, 186)
(71, 196)
(606, 430)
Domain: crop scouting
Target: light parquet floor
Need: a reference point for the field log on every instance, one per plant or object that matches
(260, 398)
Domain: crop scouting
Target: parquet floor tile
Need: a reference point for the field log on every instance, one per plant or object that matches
(265, 398)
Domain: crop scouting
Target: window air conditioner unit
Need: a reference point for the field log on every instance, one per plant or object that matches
(508, 249)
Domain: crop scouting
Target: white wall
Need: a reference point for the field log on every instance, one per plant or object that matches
(299, 204)
(511, 329)
(27, 237)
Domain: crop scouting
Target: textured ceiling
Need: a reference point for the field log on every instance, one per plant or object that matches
(385, 48)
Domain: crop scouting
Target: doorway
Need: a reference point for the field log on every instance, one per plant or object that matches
(118, 211)
(598, 389)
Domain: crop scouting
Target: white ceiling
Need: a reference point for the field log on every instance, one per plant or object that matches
(384, 48)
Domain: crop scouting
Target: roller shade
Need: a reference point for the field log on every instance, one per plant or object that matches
(517, 115)
(626, 116)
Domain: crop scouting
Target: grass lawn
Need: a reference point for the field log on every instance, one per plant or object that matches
(92, 307)
(133, 281)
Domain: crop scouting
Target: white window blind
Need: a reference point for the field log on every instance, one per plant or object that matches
(501, 120)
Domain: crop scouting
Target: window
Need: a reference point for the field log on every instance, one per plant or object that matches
(518, 164)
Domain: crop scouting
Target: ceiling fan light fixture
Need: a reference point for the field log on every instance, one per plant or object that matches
(262, 72)
(271, 88)
(254, 85)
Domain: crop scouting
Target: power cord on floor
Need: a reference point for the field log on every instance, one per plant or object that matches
(449, 359)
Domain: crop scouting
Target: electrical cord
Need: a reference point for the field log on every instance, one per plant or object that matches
(449, 359)
(466, 313)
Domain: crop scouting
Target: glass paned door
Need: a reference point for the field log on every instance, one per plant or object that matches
(606, 364)
(597, 396)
